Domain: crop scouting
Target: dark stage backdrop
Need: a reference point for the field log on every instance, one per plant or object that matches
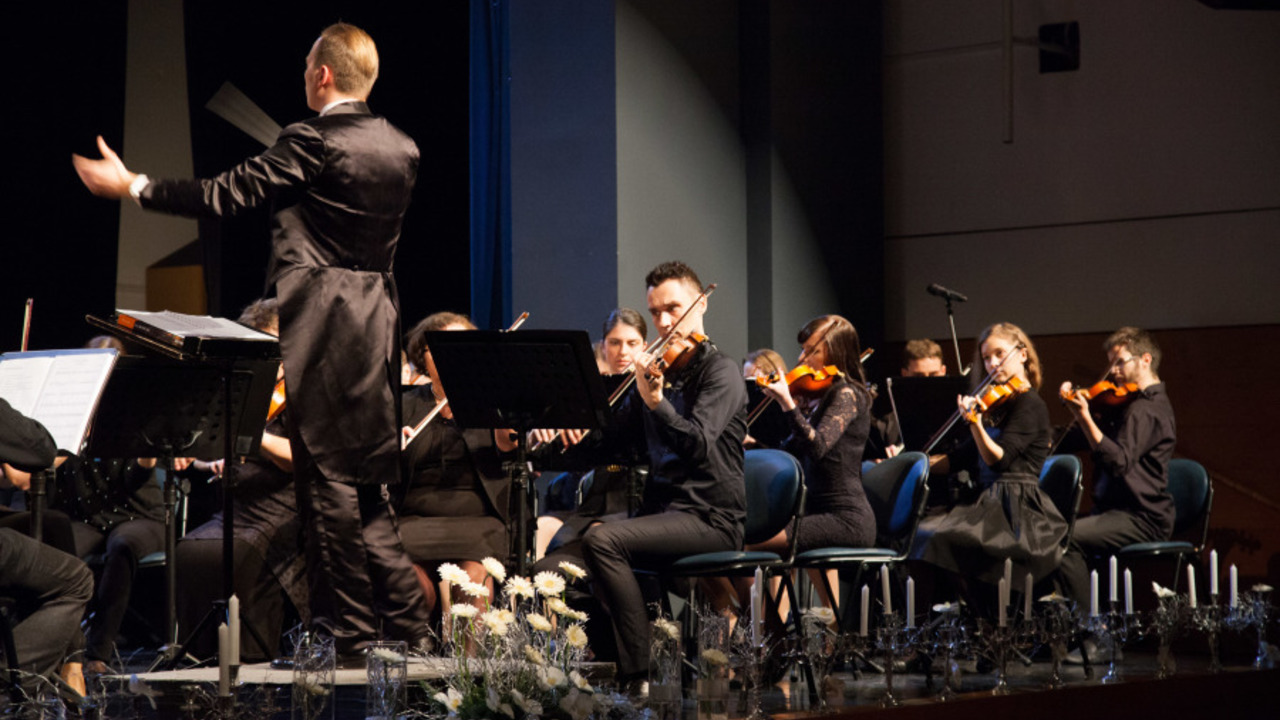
(57, 242)
(422, 88)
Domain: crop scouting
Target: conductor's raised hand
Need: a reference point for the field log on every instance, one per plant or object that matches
(107, 177)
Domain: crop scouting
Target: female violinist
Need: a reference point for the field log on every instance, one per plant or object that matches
(455, 506)
(1011, 518)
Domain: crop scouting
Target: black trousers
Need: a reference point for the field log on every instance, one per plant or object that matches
(52, 589)
(122, 548)
(356, 565)
(1096, 536)
(651, 542)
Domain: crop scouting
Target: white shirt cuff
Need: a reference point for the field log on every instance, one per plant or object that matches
(137, 186)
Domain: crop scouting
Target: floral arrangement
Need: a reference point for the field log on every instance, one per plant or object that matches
(520, 654)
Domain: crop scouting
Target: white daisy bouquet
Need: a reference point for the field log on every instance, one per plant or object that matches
(518, 654)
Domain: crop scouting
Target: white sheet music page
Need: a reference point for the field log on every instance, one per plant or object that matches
(59, 388)
(185, 325)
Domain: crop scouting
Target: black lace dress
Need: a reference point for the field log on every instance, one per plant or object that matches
(829, 443)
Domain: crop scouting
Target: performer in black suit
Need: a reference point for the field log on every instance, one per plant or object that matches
(339, 185)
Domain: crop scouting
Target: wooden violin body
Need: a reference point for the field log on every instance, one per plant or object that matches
(804, 380)
(277, 401)
(1105, 393)
(996, 394)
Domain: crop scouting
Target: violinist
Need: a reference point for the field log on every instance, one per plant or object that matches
(456, 502)
(1131, 444)
(828, 433)
(690, 418)
(1009, 440)
(767, 428)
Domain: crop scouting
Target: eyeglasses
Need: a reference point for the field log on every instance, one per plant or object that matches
(1121, 363)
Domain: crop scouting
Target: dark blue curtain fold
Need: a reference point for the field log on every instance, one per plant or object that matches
(490, 164)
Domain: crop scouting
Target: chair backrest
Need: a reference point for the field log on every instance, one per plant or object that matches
(896, 490)
(775, 493)
(1060, 480)
(1192, 493)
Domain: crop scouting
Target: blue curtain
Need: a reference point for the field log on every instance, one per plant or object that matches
(490, 164)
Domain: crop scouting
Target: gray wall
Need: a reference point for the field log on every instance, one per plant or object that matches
(1142, 189)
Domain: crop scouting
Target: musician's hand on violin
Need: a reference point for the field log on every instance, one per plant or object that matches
(107, 177)
(1074, 399)
(781, 392)
(648, 380)
(969, 408)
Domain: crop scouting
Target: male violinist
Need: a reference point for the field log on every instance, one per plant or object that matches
(1131, 448)
(691, 421)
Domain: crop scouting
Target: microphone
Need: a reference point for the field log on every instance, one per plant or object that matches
(936, 289)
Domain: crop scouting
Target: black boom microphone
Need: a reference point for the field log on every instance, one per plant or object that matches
(936, 289)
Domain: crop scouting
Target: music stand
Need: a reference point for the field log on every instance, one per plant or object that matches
(923, 405)
(521, 381)
(168, 408)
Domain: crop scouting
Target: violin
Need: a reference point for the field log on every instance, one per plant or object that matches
(277, 401)
(1104, 393)
(804, 380)
(678, 352)
(996, 394)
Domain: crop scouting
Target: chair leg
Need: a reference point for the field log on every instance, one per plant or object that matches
(10, 654)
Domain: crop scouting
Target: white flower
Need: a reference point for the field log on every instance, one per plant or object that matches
(493, 620)
(576, 636)
(946, 607)
(518, 586)
(492, 699)
(495, 569)
(538, 622)
(459, 610)
(667, 628)
(453, 574)
(573, 571)
(551, 677)
(529, 705)
(474, 589)
(557, 606)
(506, 615)
(1261, 588)
(506, 709)
(578, 705)
(387, 655)
(533, 655)
(580, 682)
(1161, 591)
(548, 583)
(715, 657)
(1052, 597)
(313, 685)
(821, 614)
(577, 615)
(452, 700)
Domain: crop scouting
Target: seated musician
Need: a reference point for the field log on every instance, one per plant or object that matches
(691, 420)
(1132, 444)
(1008, 443)
(455, 505)
(268, 561)
(923, 358)
(51, 587)
(767, 427)
(606, 497)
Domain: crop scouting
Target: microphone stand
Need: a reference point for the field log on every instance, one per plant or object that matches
(955, 340)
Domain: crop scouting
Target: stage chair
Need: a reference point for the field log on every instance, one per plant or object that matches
(7, 606)
(1060, 480)
(896, 490)
(1192, 492)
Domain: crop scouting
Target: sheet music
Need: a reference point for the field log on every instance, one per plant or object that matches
(203, 325)
(59, 388)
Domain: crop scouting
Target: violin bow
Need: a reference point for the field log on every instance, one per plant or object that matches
(26, 323)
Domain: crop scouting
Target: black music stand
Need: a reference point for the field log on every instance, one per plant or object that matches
(923, 405)
(168, 408)
(521, 381)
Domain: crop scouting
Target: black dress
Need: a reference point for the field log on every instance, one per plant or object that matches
(456, 502)
(829, 444)
(1012, 518)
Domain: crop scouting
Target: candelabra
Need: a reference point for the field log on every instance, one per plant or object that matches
(1251, 610)
(750, 655)
(896, 641)
(1057, 625)
(1112, 629)
(1208, 619)
(821, 646)
(949, 640)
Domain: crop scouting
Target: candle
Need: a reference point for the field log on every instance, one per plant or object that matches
(866, 608)
(1093, 594)
(884, 588)
(1191, 585)
(1128, 592)
(911, 602)
(224, 663)
(1002, 593)
(757, 609)
(1213, 573)
(233, 629)
(1235, 586)
(1026, 597)
(1114, 584)
(1004, 596)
